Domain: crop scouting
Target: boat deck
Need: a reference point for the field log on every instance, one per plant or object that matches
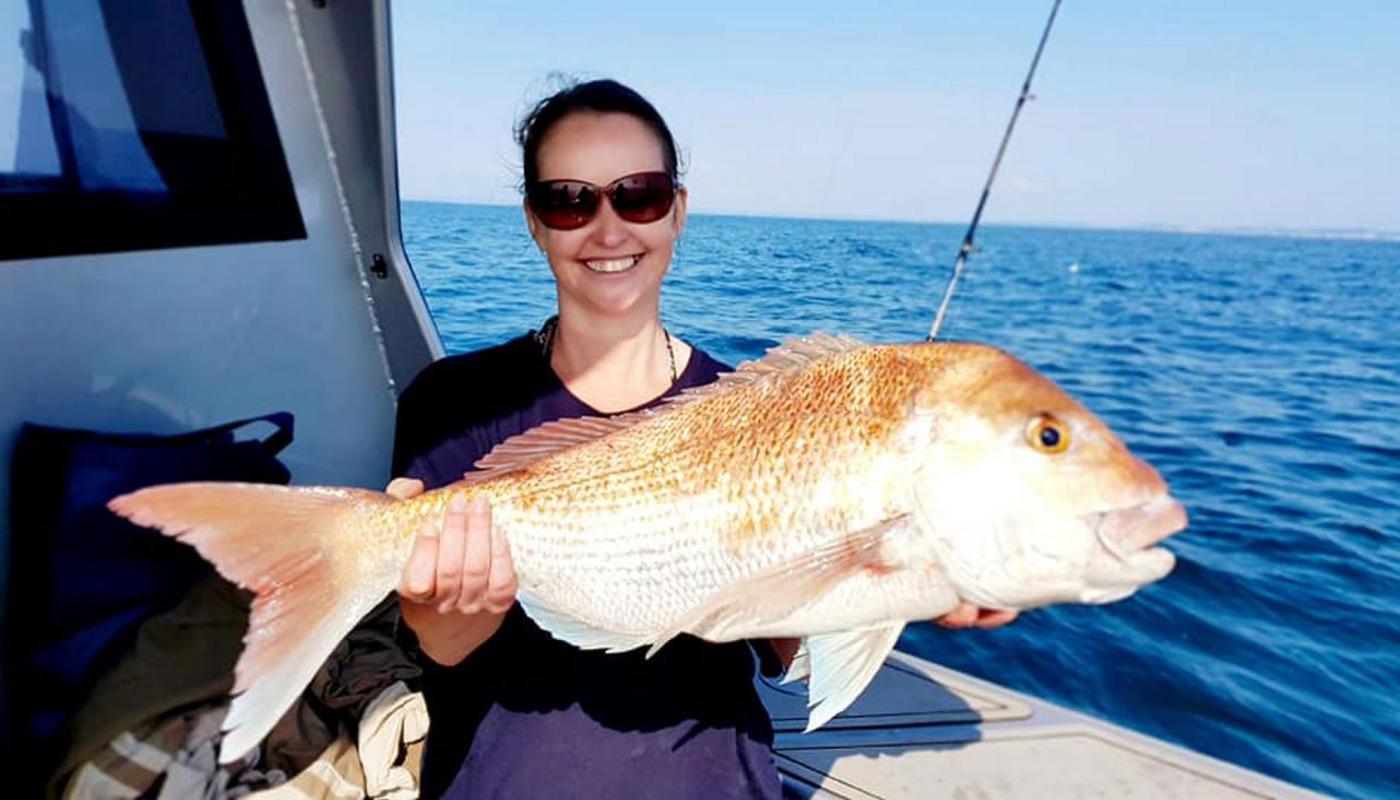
(921, 730)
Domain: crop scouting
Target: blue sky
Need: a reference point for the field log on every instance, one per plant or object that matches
(1196, 113)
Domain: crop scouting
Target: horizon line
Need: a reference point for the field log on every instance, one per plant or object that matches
(1280, 232)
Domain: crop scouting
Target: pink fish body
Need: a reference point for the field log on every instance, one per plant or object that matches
(831, 491)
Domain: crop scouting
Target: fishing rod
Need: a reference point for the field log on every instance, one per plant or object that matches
(987, 189)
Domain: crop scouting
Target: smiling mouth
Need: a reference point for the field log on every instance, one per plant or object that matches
(612, 265)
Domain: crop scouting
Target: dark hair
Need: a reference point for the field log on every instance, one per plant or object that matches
(602, 96)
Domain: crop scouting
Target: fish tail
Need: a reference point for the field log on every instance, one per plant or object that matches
(296, 549)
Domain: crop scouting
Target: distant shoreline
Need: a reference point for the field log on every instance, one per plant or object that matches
(1323, 234)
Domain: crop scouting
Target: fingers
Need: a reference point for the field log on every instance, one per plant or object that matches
(501, 585)
(418, 581)
(404, 488)
(963, 616)
(465, 568)
(967, 615)
(452, 544)
(991, 618)
(475, 558)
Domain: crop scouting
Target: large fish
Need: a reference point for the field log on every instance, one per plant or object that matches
(831, 491)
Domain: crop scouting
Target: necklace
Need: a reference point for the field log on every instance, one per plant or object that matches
(671, 354)
(544, 337)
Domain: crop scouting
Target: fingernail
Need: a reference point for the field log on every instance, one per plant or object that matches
(418, 587)
(479, 503)
(458, 503)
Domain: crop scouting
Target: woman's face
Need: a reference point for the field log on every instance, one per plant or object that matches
(609, 266)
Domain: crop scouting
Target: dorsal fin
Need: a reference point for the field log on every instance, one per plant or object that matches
(541, 442)
(545, 440)
(790, 356)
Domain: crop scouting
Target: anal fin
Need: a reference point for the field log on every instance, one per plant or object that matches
(841, 666)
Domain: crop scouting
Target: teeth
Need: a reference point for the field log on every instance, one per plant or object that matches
(613, 265)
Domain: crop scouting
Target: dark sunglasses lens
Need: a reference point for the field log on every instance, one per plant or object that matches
(645, 197)
(564, 205)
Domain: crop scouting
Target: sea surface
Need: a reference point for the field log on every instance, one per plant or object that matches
(1260, 375)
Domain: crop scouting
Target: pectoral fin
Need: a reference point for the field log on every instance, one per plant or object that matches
(770, 597)
(841, 666)
(576, 632)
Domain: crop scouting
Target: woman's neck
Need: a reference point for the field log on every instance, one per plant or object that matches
(614, 364)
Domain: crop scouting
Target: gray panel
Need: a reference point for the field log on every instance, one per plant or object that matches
(179, 339)
(921, 730)
(1064, 762)
(899, 695)
(348, 45)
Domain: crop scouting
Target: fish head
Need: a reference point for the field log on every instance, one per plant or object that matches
(1028, 498)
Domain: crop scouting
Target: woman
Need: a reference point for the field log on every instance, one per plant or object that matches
(516, 713)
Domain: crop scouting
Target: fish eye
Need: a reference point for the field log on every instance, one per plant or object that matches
(1047, 434)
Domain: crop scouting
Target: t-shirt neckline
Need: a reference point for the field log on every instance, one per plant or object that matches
(680, 385)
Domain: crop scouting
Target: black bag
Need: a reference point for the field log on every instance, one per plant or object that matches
(83, 579)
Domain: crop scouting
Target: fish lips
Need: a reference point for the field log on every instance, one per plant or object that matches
(1141, 526)
(1127, 557)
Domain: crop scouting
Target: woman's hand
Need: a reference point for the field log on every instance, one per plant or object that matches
(458, 583)
(966, 615)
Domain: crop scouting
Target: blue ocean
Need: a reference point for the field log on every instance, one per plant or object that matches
(1260, 375)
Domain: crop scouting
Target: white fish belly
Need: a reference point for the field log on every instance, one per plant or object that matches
(862, 600)
(633, 570)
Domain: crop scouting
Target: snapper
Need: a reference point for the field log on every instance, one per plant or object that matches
(831, 491)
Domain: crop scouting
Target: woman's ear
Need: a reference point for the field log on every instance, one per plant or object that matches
(678, 222)
(533, 225)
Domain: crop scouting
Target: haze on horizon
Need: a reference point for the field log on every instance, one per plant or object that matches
(1278, 115)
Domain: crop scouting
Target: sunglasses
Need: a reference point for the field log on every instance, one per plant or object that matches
(568, 205)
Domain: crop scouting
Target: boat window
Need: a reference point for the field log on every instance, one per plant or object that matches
(134, 125)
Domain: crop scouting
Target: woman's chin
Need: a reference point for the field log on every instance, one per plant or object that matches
(620, 308)
(616, 293)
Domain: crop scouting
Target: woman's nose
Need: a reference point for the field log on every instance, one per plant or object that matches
(609, 229)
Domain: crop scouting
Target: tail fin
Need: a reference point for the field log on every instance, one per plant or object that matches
(296, 549)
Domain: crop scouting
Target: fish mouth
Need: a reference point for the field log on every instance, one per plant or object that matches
(1138, 527)
(1127, 537)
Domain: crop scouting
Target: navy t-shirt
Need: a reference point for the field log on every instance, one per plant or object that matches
(529, 716)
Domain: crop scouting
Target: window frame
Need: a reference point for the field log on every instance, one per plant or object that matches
(64, 219)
